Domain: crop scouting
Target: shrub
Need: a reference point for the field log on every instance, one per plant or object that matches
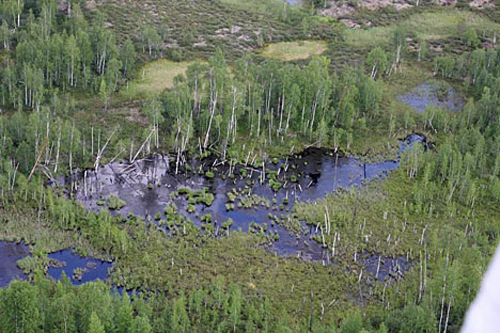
(191, 208)
(115, 203)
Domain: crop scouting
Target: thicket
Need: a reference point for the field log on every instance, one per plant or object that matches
(52, 57)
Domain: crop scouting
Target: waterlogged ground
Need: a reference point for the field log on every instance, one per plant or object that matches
(219, 197)
(10, 253)
(432, 93)
(78, 269)
(383, 268)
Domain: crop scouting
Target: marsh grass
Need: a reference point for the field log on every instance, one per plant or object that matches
(22, 225)
(430, 26)
(156, 76)
(288, 51)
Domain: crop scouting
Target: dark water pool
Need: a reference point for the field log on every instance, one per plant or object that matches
(10, 253)
(382, 268)
(79, 269)
(428, 93)
(146, 187)
(306, 176)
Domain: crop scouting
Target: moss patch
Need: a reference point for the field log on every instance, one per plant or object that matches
(157, 76)
(287, 51)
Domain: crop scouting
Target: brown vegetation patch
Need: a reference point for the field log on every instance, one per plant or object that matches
(235, 29)
(350, 23)
(446, 3)
(133, 114)
(337, 10)
(482, 4)
(436, 47)
(355, 24)
(376, 4)
(90, 5)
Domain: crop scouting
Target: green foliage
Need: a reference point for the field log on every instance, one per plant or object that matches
(377, 61)
(231, 197)
(439, 202)
(470, 37)
(227, 224)
(141, 325)
(352, 324)
(115, 203)
(275, 185)
(95, 325)
(417, 319)
(20, 312)
(191, 208)
(184, 190)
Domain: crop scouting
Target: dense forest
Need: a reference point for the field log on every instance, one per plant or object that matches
(247, 166)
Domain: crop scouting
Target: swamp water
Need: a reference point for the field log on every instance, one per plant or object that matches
(242, 197)
(254, 204)
(10, 253)
(428, 93)
(78, 269)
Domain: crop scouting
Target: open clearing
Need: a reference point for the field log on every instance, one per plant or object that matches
(157, 76)
(287, 51)
(429, 26)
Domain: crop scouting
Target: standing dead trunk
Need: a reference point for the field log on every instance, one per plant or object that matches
(448, 315)
(71, 149)
(58, 149)
(443, 297)
(315, 105)
(213, 105)
(99, 154)
(281, 111)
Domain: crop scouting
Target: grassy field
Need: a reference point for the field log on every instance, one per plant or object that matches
(294, 50)
(156, 76)
(429, 26)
